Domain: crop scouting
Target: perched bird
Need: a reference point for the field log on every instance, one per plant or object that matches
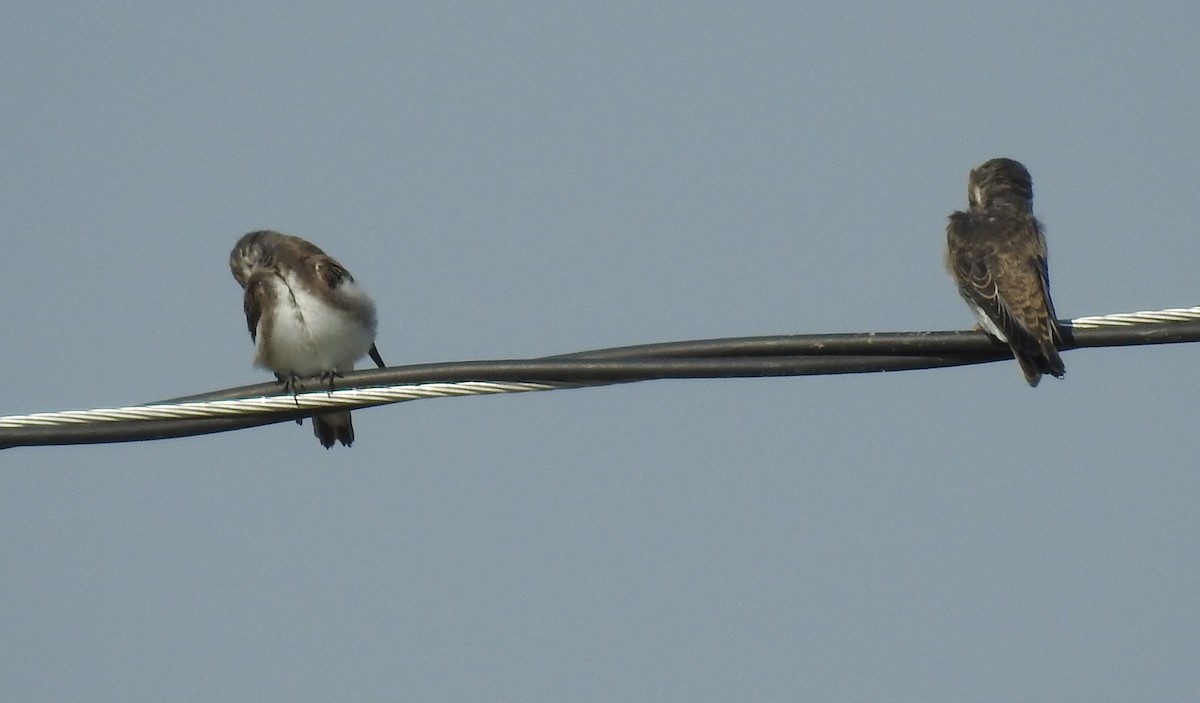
(996, 252)
(306, 315)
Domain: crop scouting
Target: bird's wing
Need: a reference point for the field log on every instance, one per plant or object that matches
(374, 353)
(253, 303)
(329, 272)
(997, 269)
(1041, 262)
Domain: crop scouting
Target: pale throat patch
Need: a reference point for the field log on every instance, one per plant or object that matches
(977, 194)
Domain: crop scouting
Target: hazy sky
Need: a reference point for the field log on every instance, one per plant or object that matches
(524, 179)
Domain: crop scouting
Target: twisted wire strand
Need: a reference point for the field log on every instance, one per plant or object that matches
(794, 355)
(286, 406)
(1145, 317)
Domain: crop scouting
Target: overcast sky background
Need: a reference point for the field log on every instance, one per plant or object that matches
(524, 179)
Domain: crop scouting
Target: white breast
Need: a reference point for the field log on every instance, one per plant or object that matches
(310, 336)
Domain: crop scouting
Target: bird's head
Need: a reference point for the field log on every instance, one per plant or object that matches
(1000, 181)
(253, 251)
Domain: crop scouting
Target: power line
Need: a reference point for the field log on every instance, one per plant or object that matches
(744, 357)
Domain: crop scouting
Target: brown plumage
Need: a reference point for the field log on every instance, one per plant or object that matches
(996, 253)
(306, 316)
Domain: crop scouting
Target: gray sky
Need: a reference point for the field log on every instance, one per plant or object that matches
(515, 180)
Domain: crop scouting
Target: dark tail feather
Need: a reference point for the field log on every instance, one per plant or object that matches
(331, 427)
(1054, 364)
(1036, 364)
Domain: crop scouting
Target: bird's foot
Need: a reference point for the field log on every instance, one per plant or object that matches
(291, 384)
(327, 377)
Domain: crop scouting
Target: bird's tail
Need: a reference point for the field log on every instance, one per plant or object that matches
(1044, 360)
(331, 427)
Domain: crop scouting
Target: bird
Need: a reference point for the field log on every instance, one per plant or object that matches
(996, 254)
(306, 315)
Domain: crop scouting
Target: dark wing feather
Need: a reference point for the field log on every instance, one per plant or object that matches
(329, 271)
(1043, 268)
(974, 260)
(374, 354)
(255, 301)
(999, 262)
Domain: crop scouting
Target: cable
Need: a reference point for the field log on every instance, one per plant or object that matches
(165, 420)
(796, 355)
